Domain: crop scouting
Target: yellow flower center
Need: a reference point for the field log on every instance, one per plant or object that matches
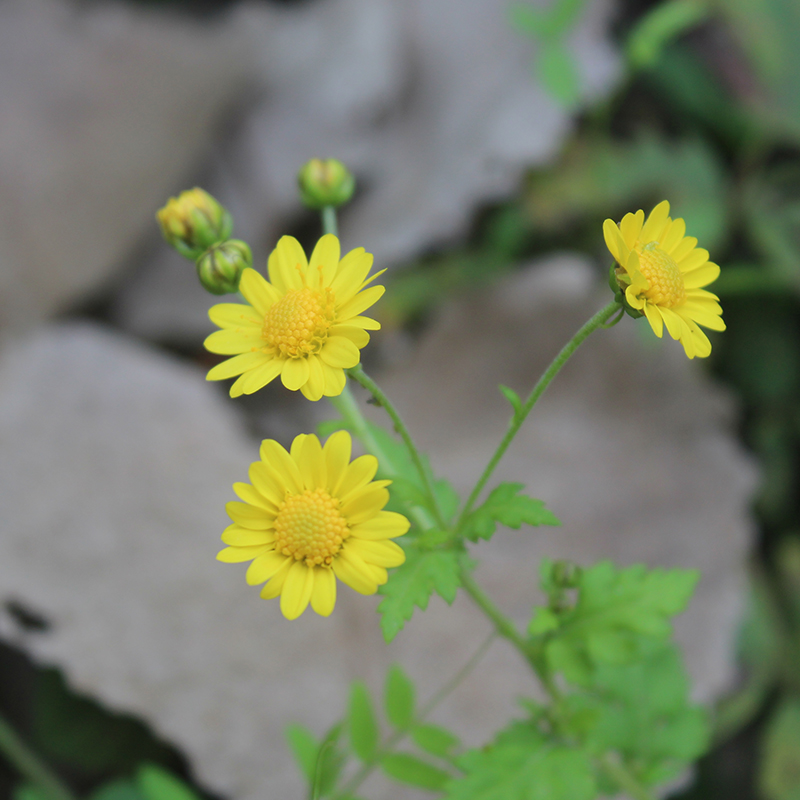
(310, 526)
(666, 282)
(298, 323)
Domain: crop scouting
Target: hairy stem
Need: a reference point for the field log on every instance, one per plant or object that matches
(519, 417)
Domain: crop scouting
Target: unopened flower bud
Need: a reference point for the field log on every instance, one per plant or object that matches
(325, 183)
(221, 266)
(566, 574)
(194, 221)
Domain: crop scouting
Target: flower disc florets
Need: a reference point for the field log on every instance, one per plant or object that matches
(304, 324)
(661, 275)
(311, 516)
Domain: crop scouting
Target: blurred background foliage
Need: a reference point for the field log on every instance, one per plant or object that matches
(708, 116)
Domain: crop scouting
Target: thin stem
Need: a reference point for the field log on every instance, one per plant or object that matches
(358, 374)
(347, 406)
(29, 765)
(620, 774)
(329, 220)
(401, 733)
(519, 417)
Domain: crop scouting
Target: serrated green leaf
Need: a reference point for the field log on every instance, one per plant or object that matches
(304, 747)
(411, 585)
(363, 724)
(447, 498)
(642, 712)
(779, 772)
(399, 697)
(506, 506)
(614, 610)
(558, 72)
(155, 783)
(543, 620)
(512, 397)
(121, 789)
(434, 739)
(414, 771)
(521, 764)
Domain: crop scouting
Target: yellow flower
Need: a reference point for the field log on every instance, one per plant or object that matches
(663, 273)
(309, 517)
(303, 324)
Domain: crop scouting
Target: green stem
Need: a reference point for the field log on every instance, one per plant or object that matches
(29, 765)
(401, 733)
(519, 417)
(329, 220)
(358, 374)
(620, 774)
(347, 406)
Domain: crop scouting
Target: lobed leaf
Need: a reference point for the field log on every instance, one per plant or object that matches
(411, 585)
(506, 506)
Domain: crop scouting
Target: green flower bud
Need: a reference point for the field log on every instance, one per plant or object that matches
(325, 183)
(566, 574)
(193, 222)
(221, 266)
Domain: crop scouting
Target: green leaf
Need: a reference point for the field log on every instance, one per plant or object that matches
(155, 783)
(363, 724)
(661, 24)
(779, 773)
(506, 506)
(512, 397)
(614, 610)
(330, 761)
(435, 740)
(642, 712)
(523, 765)
(399, 697)
(411, 585)
(412, 770)
(549, 23)
(28, 791)
(304, 747)
(120, 789)
(558, 72)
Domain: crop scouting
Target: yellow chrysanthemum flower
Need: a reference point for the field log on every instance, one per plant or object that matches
(303, 324)
(663, 273)
(309, 517)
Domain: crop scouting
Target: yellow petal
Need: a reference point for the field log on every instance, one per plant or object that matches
(235, 315)
(257, 291)
(702, 317)
(236, 366)
(337, 450)
(294, 373)
(314, 387)
(297, 588)
(340, 353)
(683, 248)
(235, 555)
(287, 265)
(353, 270)
(256, 519)
(335, 380)
(259, 377)
(311, 463)
(232, 342)
(272, 588)
(364, 504)
(361, 302)
(357, 475)
(281, 466)
(324, 261)
(693, 260)
(358, 336)
(384, 525)
(613, 239)
(365, 322)
(253, 497)
(351, 569)
(672, 321)
(381, 554)
(264, 567)
(673, 234)
(655, 319)
(237, 536)
(263, 480)
(323, 595)
(701, 276)
(656, 223)
(631, 227)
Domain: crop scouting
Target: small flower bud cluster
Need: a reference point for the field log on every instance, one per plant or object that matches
(199, 227)
(325, 183)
